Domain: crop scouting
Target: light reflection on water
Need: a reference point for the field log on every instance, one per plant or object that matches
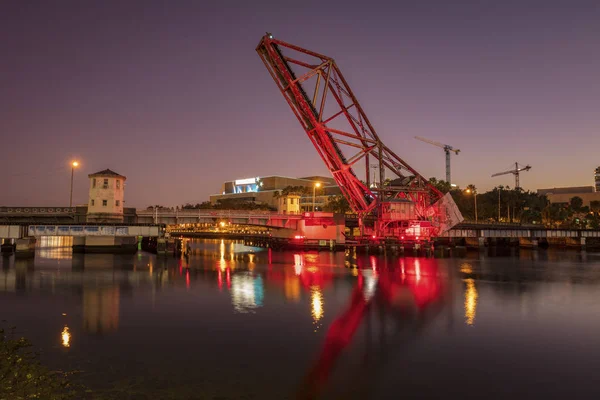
(131, 314)
(470, 301)
(316, 301)
(66, 337)
(246, 292)
(55, 247)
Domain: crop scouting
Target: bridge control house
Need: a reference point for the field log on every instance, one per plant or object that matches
(106, 197)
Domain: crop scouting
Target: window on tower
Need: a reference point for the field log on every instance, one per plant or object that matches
(104, 203)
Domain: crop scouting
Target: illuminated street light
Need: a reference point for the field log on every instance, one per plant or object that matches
(318, 184)
(74, 165)
(475, 198)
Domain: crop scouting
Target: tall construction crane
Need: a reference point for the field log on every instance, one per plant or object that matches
(447, 149)
(404, 206)
(515, 172)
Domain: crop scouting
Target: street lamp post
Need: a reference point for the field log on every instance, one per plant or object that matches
(475, 199)
(74, 164)
(318, 184)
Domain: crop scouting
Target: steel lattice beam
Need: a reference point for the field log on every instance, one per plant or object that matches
(336, 123)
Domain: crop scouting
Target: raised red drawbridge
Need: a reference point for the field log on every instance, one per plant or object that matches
(392, 199)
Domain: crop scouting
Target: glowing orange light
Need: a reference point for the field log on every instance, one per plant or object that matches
(66, 337)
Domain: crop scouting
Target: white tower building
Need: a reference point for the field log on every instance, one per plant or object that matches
(107, 192)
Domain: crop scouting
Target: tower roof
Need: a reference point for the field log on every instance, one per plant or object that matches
(106, 172)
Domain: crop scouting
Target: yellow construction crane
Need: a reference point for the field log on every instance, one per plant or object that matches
(447, 149)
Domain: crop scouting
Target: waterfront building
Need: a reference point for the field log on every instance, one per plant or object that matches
(266, 190)
(106, 197)
(565, 194)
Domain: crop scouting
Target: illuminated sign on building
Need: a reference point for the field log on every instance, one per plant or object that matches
(249, 181)
(247, 185)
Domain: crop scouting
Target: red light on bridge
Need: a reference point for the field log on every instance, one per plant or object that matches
(298, 237)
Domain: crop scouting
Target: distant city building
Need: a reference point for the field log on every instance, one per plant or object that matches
(597, 179)
(106, 197)
(565, 194)
(262, 190)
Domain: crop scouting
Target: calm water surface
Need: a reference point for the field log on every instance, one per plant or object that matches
(241, 322)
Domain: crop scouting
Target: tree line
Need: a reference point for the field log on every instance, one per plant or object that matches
(503, 204)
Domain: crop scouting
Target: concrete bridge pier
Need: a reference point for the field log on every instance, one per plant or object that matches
(576, 242)
(475, 242)
(104, 244)
(161, 246)
(110, 244)
(8, 246)
(25, 247)
(528, 243)
(78, 244)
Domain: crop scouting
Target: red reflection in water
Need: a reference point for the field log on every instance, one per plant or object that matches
(228, 278)
(413, 287)
(373, 260)
(306, 268)
(220, 280)
(187, 278)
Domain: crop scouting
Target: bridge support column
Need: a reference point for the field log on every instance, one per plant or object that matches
(25, 247)
(472, 242)
(576, 242)
(110, 244)
(528, 243)
(78, 244)
(161, 246)
(7, 246)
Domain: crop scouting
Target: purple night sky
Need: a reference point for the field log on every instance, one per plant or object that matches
(173, 95)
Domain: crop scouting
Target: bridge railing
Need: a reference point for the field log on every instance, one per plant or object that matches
(500, 224)
(211, 213)
(5, 210)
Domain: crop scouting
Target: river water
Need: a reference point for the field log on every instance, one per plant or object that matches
(239, 322)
